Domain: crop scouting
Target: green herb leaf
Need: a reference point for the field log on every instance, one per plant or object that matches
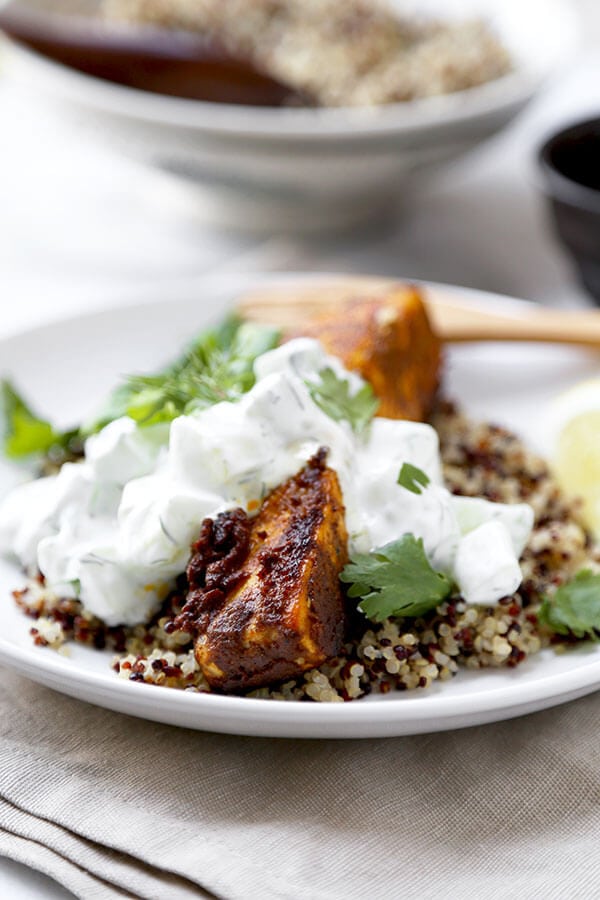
(218, 366)
(24, 432)
(412, 478)
(395, 580)
(332, 395)
(575, 607)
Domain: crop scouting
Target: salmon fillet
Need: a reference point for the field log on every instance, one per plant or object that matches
(265, 600)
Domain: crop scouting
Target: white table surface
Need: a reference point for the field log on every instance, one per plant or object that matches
(81, 228)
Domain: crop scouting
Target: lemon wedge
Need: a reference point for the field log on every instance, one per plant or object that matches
(576, 460)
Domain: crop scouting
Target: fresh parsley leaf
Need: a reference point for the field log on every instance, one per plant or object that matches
(412, 478)
(395, 580)
(332, 395)
(24, 432)
(575, 607)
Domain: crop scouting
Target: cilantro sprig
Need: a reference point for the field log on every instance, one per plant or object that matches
(412, 478)
(395, 580)
(333, 395)
(217, 366)
(575, 607)
(25, 433)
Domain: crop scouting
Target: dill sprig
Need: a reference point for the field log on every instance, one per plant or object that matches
(219, 365)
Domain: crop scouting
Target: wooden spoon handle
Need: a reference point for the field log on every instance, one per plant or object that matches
(454, 320)
(460, 322)
(151, 59)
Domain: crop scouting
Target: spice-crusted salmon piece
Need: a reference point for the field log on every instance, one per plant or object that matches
(377, 328)
(265, 601)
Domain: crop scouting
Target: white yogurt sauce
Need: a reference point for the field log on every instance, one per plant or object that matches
(116, 529)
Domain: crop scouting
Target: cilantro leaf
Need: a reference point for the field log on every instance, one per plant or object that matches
(332, 395)
(412, 478)
(395, 580)
(24, 432)
(575, 607)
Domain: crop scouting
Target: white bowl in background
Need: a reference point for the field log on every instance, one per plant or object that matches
(316, 168)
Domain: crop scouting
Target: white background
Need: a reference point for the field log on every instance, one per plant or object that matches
(80, 227)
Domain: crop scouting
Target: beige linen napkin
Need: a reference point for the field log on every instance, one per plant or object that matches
(113, 806)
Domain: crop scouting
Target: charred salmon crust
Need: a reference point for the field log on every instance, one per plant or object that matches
(275, 608)
(387, 338)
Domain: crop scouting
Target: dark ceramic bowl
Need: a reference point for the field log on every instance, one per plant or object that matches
(570, 163)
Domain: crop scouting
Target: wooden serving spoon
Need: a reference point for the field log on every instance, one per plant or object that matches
(178, 64)
(454, 320)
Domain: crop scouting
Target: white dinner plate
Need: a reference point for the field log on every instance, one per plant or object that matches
(67, 367)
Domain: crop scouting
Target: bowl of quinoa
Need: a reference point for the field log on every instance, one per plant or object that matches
(390, 91)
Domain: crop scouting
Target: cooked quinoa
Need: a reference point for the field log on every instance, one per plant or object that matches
(355, 53)
(400, 654)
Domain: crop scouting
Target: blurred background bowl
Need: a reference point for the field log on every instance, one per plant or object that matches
(570, 161)
(315, 169)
